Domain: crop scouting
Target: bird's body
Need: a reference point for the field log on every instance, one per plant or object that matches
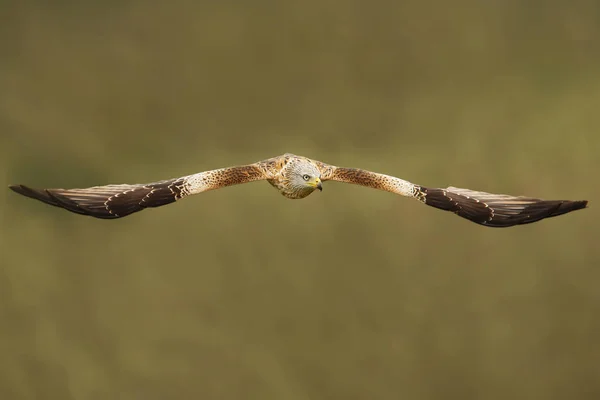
(296, 177)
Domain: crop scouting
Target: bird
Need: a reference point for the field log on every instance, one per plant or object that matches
(296, 177)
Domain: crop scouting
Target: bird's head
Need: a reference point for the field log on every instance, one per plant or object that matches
(304, 177)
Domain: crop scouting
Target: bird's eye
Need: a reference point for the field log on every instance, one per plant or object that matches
(306, 177)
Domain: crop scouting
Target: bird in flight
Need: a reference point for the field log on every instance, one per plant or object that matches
(296, 177)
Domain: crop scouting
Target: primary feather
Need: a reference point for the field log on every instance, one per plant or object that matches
(497, 210)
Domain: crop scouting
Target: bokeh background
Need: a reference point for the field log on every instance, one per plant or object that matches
(348, 294)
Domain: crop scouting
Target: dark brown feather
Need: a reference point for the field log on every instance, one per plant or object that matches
(108, 202)
(494, 210)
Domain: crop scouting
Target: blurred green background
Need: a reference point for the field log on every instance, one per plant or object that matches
(348, 294)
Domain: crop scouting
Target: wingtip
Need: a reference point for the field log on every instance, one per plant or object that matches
(42, 195)
(24, 190)
(578, 204)
(568, 206)
(21, 189)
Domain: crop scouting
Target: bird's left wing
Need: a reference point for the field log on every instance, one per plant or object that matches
(488, 209)
(115, 201)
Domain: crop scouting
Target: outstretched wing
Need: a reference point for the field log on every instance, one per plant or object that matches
(493, 210)
(115, 201)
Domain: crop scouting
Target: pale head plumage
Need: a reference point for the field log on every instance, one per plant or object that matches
(298, 178)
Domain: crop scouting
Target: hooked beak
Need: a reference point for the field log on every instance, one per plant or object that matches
(319, 185)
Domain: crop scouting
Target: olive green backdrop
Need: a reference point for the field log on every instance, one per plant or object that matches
(348, 294)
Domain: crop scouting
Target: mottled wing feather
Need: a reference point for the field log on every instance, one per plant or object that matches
(369, 179)
(115, 201)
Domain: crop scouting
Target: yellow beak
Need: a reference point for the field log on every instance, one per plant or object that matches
(318, 184)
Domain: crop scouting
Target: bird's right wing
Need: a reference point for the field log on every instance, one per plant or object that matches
(115, 201)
